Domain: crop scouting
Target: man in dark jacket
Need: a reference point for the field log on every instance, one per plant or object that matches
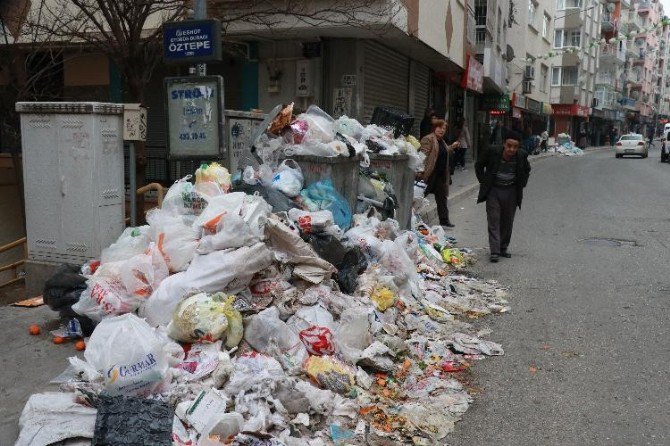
(502, 173)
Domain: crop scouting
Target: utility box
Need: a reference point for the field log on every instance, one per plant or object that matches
(240, 128)
(73, 178)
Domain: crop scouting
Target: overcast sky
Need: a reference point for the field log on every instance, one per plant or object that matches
(666, 7)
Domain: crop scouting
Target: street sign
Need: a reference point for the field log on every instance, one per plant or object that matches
(192, 41)
(134, 122)
(195, 116)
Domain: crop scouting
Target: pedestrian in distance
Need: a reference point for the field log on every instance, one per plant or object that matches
(436, 172)
(544, 138)
(502, 173)
(426, 125)
(465, 142)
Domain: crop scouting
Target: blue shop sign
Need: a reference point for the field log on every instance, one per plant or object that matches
(192, 41)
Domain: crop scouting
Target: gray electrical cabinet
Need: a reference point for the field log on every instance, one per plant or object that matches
(73, 178)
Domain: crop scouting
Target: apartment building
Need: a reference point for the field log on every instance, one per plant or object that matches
(607, 113)
(576, 25)
(531, 37)
(663, 86)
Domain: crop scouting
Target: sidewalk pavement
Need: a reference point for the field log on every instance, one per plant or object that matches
(464, 183)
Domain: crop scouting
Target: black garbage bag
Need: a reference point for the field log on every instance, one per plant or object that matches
(124, 420)
(276, 199)
(62, 290)
(350, 262)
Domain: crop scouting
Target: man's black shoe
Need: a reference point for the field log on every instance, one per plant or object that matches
(506, 255)
(494, 258)
(448, 225)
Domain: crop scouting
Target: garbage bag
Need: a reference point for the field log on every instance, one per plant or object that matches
(128, 421)
(63, 290)
(331, 373)
(183, 198)
(253, 370)
(323, 196)
(354, 335)
(175, 237)
(105, 294)
(309, 222)
(349, 126)
(231, 221)
(53, 417)
(320, 125)
(229, 271)
(141, 274)
(212, 177)
(131, 242)
(349, 261)
(130, 354)
(315, 327)
(276, 199)
(262, 176)
(288, 178)
(268, 334)
(205, 318)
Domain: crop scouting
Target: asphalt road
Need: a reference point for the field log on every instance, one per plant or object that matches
(587, 344)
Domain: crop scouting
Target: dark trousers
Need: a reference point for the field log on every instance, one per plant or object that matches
(459, 156)
(500, 210)
(439, 189)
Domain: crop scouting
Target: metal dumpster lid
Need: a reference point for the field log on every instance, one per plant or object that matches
(100, 108)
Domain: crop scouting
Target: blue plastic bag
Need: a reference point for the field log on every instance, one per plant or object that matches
(323, 196)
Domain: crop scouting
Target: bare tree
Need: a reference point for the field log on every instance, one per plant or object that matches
(129, 32)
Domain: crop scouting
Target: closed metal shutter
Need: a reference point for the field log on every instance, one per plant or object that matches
(421, 87)
(156, 146)
(386, 79)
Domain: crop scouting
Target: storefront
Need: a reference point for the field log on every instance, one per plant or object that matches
(571, 119)
(494, 114)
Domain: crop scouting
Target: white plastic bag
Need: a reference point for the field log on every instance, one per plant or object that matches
(130, 354)
(205, 318)
(288, 178)
(349, 127)
(142, 273)
(175, 238)
(212, 178)
(53, 417)
(229, 271)
(268, 334)
(231, 221)
(182, 198)
(252, 370)
(105, 294)
(131, 242)
(310, 222)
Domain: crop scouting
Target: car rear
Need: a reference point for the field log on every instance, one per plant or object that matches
(631, 144)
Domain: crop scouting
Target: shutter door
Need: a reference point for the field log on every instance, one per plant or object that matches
(421, 84)
(156, 145)
(386, 79)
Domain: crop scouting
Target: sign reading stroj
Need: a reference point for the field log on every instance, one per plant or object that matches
(195, 118)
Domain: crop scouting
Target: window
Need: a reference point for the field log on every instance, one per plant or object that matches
(560, 4)
(545, 26)
(544, 74)
(564, 76)
(567, 37)
(531, 12)
(558, 38)
(565, 4)
(575, 38)
(569, 76)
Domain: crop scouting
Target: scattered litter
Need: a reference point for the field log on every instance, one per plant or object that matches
(29, 303)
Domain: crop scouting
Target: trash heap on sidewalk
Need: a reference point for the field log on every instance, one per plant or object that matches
(565, 146)
(260, 311)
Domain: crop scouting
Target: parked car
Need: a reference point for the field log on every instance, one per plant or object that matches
(665, 149)
(631, 144)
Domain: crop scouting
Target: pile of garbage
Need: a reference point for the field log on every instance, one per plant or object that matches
(315, 132)
(264, 313)
(565, 146)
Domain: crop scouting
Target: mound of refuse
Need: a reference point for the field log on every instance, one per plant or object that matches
(234, 319)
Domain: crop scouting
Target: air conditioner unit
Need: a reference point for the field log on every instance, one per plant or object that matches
(530, 72)
(527, 87)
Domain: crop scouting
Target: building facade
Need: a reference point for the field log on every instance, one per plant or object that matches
(573, 71)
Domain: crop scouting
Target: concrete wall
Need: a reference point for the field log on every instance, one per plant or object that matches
(441, 26)
(281, 57)
(85, 70)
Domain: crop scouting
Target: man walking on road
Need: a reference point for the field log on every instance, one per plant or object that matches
(502, 173)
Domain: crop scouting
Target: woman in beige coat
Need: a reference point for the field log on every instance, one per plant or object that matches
(436, 168)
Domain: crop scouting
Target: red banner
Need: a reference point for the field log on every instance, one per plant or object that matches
(570, 110)
(473, 77)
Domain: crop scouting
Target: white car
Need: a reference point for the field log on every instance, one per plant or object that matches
(631, 144)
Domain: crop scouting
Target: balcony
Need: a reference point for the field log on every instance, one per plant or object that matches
(482, 39)
(606, 98)
(611, 53)
(635, 22)
(607, 23)
(604, 78)
(638, 58)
